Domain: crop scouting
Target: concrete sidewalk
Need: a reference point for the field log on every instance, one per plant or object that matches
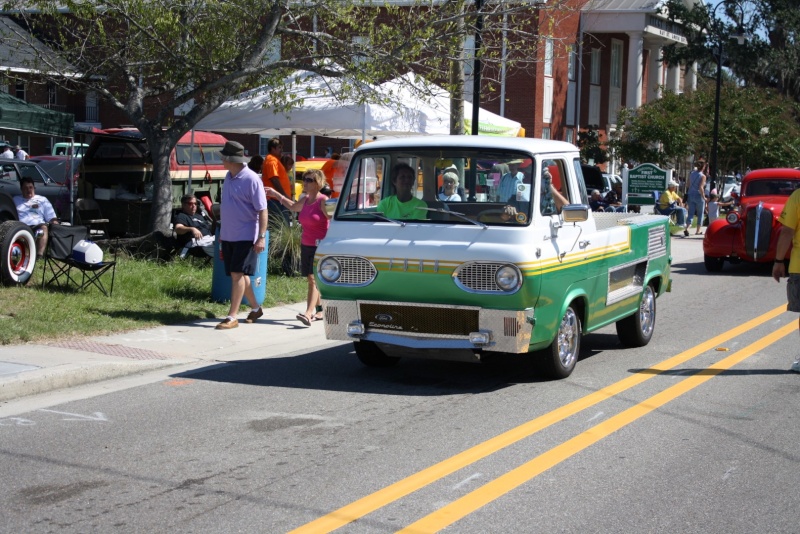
(38, 368)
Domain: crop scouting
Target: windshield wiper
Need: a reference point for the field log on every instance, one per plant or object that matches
(376, 214)
(459, 215)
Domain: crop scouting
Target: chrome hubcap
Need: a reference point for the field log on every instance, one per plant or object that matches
(568, 338)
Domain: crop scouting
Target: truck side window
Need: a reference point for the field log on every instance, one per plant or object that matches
(554, 187)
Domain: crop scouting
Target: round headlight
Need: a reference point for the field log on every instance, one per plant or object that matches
(732, 218)
(329, 270)
(507, 278)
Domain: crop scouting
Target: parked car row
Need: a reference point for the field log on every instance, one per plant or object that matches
(12, 170)
(56, 167)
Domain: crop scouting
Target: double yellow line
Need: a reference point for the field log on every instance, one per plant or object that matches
(492, 490)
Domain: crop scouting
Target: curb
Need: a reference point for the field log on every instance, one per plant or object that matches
(66, 376)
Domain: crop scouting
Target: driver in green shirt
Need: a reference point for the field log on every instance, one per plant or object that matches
(403, 204)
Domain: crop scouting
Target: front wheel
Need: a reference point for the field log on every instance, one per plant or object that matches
(18, 253)
(713, 265)
(637, 329)
(562, 355)
(370, 355)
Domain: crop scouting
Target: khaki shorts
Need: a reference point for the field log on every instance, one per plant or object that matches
(793, 293)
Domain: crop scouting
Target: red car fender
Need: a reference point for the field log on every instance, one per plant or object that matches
(721, 238)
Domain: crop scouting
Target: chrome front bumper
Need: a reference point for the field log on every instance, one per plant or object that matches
(429, 326)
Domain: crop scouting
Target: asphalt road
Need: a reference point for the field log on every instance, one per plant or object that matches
(697, 432)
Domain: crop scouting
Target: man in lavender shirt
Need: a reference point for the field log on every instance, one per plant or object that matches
(243, 230)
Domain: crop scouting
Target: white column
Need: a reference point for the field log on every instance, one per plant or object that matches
(635, 53)
(674, 79)
(656, 78)
(690, 81)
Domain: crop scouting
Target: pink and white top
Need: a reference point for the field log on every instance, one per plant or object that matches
(313, 220)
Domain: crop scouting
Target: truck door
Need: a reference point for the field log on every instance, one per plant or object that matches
(568, 242)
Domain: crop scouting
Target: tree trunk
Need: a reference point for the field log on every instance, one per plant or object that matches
(457, 83)
(161, 209)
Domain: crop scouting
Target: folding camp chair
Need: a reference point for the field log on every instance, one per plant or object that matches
(59, 261)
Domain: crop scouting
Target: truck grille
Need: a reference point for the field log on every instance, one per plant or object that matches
(356, 271)
(419, 319)
(479, 276)
(758, 230)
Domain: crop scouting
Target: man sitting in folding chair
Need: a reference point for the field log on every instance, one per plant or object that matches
(68, 248)
(35, 211)
(192, 228)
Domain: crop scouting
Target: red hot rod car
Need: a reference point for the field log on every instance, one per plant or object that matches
(750, 232)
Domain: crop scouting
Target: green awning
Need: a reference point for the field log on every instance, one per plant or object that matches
(16, 114)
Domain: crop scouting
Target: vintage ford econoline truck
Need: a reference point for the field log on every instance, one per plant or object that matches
(515, 263)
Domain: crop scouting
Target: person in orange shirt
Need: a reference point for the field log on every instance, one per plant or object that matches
(274, 175)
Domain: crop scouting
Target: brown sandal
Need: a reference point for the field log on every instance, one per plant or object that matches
(303, 319)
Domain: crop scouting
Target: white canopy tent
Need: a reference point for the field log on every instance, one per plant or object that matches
(434, 102)
(316, 107)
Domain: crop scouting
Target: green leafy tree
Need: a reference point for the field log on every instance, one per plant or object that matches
(590, 146)
(769, 57)
(149, 58)
(757, 128)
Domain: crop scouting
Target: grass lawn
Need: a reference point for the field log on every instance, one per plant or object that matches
(146, 294)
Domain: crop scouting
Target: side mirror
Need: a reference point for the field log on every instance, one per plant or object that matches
(575, 213)
(330, 206)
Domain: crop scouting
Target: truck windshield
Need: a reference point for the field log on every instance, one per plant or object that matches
(432, 185)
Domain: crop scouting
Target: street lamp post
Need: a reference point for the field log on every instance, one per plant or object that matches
(740, 37)
(715, 135)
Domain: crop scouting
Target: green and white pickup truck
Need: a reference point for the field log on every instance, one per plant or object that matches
(508, 260)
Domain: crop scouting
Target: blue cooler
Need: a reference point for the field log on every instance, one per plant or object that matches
(221, 282)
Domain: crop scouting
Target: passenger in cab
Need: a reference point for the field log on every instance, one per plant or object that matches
(450, 188)
(403, 204)
(551, 200)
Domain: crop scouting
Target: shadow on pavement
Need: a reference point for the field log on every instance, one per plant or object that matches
(338, 369)
(729, 269)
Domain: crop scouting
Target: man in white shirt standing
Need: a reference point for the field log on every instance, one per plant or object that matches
(35, 211)
(6, 153)
(20, 154)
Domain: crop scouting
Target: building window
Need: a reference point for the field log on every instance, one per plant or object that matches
(262, 145)
(595, 72)
(545, 133)
(273, 53)
(548, 57)
(360, 42)
(572, 58)
(469, 66)
(469, 55)
(52, 94)
(616, 63)
(547, 104)
(570, 137)
(19, 90)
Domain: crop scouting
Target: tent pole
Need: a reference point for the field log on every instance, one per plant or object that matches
(71, 180)
(294, 161)
(191, 161)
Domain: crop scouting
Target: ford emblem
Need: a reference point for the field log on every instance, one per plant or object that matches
(384, 318)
